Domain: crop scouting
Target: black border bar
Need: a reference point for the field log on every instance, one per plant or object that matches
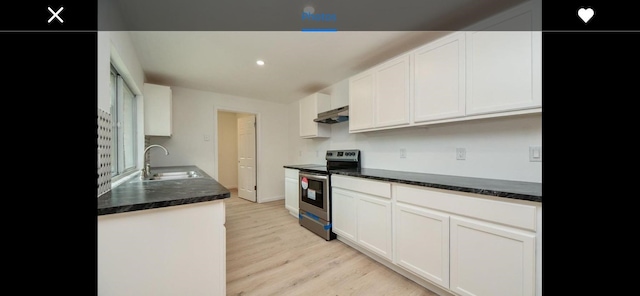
(288, 15)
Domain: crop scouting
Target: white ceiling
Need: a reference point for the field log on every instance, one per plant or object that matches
(296, 63)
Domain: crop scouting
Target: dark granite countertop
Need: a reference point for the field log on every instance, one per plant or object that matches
(501, 188)
(135, 195)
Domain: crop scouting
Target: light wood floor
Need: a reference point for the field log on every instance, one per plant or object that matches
(269, 253)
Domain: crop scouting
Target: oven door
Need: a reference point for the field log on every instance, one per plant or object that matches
(314, 194)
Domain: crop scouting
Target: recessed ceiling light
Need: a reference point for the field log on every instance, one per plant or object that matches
(260, 62)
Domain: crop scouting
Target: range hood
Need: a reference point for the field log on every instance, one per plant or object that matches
(333, 116)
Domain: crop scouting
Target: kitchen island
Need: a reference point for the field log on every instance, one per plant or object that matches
(163, 237)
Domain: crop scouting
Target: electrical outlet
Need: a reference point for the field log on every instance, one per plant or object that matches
(403, 153)
(535, 153)
(461, 153)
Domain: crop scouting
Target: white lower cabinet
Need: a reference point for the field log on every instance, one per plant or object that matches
(343, 215)
(361, 212)
(467, 243)
(422, 242)
(488, 259)
(291, 191)
(462, 243)
(374, 224)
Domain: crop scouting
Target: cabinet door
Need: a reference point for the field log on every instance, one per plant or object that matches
(361, 101)
(374, 224)
(307, 110)
(310, 106)
(422, 242)
(157, 110)
(439, 79)
(504, 67)
(488, 259)
(392, 92)
(291, 195)
(343, 213)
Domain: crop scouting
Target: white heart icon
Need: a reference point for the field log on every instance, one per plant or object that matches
(585, 14)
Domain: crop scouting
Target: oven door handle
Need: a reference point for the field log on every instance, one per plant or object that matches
(314, 176)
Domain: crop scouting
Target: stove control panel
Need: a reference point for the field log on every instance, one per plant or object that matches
(343, 155)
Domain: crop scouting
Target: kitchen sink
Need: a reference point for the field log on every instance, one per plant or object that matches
(173, 176)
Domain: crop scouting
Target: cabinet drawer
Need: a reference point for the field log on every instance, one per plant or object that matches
(291, 173)
(377, 188)
(468, 204)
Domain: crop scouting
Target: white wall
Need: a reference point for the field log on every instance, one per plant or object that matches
(103, 64)
(496, 148)
(228, 149)
(117, 47)
(195, 115)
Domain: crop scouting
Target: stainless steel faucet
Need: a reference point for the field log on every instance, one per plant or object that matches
(147, 166)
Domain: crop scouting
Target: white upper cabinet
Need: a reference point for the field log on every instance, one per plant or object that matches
(392, 92)
(361, 101)
(439, 79)
(157, 110)
(491, 69)
(504, 67)
(310, 106)
(380, 97)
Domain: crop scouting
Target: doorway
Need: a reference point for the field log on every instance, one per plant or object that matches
(237, 150)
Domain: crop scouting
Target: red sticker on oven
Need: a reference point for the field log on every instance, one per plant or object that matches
(304, 183)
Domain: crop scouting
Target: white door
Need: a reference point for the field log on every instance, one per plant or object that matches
(247, 157)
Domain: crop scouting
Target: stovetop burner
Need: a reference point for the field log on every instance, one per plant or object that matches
(336, 160)
(317, 169)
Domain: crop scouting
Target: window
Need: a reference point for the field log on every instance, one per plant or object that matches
(123, 118)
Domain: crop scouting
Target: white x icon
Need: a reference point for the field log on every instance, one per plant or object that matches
(55, 14)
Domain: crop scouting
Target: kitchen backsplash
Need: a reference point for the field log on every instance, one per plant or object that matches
(104, 152)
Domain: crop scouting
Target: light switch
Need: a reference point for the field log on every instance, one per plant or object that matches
(461, 153)
(535, 153)
(206, 137)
